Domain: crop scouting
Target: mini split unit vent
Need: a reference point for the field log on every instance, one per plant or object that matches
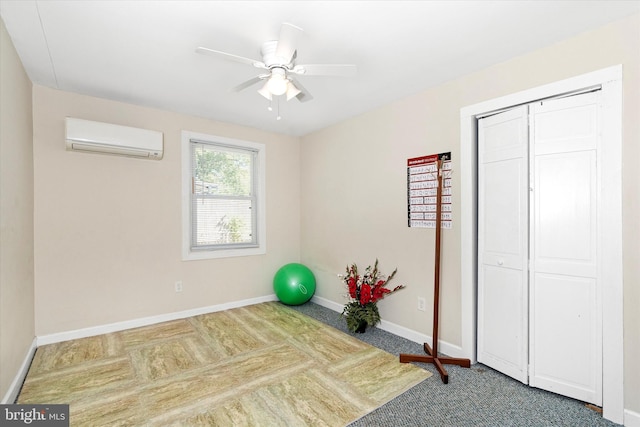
(105, 138)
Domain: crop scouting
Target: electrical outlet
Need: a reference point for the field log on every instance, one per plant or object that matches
(178, 286)
(422, 304)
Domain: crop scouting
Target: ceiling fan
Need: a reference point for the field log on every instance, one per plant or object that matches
(279, 63)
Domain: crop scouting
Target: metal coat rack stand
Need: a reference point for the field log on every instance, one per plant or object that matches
(432, 353)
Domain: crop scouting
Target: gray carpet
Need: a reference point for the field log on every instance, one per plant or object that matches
(477, 397)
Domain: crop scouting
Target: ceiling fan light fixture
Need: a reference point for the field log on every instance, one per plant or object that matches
(292, 91)
(264, 91)
(277, 83)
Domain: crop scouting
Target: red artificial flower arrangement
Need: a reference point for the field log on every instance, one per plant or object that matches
(365, 291)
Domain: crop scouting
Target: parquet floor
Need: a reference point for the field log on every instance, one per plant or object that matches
(260, 365)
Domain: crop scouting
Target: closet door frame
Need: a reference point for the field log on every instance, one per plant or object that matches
(609, 80)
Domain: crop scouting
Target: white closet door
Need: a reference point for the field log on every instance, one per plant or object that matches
(503, 243)
(565, 305)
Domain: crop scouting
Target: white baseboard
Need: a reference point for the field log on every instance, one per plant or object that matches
(417, 337)
(16, 385)
(445, 347)
(631, 418)
(146, 321)
(327, 303)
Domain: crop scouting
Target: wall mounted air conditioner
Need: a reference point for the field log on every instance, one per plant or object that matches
(105, 138)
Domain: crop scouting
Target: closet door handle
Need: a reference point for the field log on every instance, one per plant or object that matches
(500, 262)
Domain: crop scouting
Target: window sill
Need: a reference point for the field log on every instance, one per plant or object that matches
(222, 253)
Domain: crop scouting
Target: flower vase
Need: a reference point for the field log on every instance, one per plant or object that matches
(362, 327)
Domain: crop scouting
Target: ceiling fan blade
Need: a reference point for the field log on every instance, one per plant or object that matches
(304, 94)
(287, 42)
(230, 56)
(247, 84)
(341, 70)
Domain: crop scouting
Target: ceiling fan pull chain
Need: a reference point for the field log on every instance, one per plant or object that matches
(278, 107)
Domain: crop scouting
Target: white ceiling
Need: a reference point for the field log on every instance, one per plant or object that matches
(143, 52)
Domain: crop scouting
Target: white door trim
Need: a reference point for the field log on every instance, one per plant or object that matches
(610, 81)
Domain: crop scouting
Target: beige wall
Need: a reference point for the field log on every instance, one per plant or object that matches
(16, 214)
(108, 228)
(354, 183)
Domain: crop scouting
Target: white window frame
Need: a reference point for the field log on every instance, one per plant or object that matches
(259, 175)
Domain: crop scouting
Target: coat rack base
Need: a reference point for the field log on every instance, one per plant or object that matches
(436, 360)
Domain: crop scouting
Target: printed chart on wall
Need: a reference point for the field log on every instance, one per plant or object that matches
(422, 188)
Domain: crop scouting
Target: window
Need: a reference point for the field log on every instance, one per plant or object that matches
(223, 197)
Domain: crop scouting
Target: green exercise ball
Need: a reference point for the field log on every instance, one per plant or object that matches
(294, 284)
